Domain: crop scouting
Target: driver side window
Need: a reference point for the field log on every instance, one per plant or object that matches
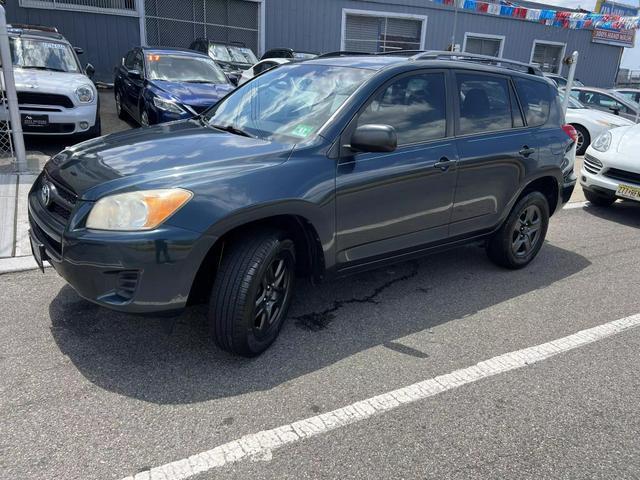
(415, 106)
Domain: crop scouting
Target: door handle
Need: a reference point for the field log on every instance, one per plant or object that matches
(443, 164)
(526, 151)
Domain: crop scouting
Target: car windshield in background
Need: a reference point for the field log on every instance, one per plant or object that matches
(183, 68)
(249, 55)
(623, 99)
(43, 55)
(290, 103)
(237, 55)
(220, 52)
(304, 55)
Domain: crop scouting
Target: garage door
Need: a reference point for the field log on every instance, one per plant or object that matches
(380, 33)
(176, 23)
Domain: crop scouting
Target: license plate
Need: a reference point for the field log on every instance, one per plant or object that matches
(29, 120)
(632, 193)
(37, 249)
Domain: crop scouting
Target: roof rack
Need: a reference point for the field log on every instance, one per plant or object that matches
(471, 57)
(342, 53)
(25, 26)
(402, 53)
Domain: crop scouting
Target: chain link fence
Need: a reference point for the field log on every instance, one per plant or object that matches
(7, 157)
(176, 23)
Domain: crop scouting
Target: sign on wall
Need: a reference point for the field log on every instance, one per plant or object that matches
(623, 38)
(616, 8)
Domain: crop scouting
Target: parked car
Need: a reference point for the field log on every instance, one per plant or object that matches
(261, 66)
(632, 94)
(607, 101)
(156, 85)
(590, 123)
(561, 82)
(611, 169)
(233, 59)
(55, 94)
(288, 53)
(316, 168)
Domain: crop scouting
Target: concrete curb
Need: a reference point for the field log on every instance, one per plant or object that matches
(18, 264)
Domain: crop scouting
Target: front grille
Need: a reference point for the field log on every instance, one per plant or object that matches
(51, 128)
(62, 200)
(592, 164)
(623, 175)
(36, 98)
(50, 243)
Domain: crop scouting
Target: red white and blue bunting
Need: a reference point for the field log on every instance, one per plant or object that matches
(557, 18)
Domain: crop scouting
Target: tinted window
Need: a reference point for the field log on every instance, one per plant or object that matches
(137, 61)
(415, 106)
(128, 61)
(536, 99)
(484, 104)
(596, 99)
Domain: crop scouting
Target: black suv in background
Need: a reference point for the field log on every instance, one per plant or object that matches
(317, 168)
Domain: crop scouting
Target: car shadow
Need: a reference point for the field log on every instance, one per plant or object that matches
(171, 360)
(626, 212)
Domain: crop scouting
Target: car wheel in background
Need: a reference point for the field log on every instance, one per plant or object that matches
(119, 110)
(598, 199)
(584, 139)
(144, 118)
(252, 292)
(522, 235)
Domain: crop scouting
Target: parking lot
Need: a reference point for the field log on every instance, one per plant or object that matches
(89, 393)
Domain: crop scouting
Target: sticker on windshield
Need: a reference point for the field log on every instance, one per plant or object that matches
(58, 46)
(302, 131)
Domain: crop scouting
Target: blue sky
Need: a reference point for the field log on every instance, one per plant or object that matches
(631, 57)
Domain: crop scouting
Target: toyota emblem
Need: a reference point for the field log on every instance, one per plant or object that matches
(45, 194)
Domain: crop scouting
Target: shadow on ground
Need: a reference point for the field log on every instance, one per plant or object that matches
(171, 361)
(625, 213)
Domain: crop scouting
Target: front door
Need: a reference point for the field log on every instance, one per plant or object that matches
(398, 201)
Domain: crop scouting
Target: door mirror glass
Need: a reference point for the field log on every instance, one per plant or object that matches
(90, 70)
(615, 109)
(374, 138)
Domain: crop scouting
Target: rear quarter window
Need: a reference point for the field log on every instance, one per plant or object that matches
(485, 103)
(538, 100)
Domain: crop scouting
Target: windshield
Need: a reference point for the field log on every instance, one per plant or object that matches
(237, 55)
(290, 103)
(625, 100)
(182, 68)
(219, 52)
(249, 55)
(43, 55)
(304, 55)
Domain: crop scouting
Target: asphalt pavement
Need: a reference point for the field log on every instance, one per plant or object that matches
(87, 393)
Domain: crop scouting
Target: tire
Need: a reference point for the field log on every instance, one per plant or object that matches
(598, 199)
(584, 139)
(517, 242)
(251, 295)
(119, 110)
(144, 118)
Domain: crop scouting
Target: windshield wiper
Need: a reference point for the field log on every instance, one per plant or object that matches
(198, 81)
(232, 129)
(37, 67)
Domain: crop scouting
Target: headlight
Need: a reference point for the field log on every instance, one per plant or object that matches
(167, 105)
(603, 142)
(143, 210)
(85, 94)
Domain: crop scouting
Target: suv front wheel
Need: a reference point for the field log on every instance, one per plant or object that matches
(522, 235)
(252, 292)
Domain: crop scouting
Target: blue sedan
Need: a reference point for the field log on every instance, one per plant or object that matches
(156, 85)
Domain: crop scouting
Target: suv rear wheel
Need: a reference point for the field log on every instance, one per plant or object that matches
(252, 292)
(522, 235)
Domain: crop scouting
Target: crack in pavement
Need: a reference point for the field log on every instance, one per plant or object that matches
(316, 321)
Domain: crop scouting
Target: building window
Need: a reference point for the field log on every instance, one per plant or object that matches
(548, 56)
(116, 7)
(381, 32)
(483, 44)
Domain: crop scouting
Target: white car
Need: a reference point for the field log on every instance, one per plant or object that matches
(261, 66)
(590, 123)
(55, 95)
(611, 169)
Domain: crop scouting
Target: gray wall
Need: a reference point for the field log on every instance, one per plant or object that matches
(104, 38)
(316, 25)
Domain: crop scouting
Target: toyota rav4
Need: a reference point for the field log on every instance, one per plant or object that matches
(315, 169)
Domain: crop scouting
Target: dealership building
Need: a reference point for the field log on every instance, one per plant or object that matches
(106, 29)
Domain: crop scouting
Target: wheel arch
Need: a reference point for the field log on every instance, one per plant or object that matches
(549, 186)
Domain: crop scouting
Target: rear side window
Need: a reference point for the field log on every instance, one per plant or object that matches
(537, 99)
(485, 104)
(414, 105)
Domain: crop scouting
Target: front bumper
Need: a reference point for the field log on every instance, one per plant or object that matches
(135, 272)
(62, 121)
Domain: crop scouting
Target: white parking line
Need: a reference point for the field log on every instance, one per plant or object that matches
(260, 445)
(570, 206)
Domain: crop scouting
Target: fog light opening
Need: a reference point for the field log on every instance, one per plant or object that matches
(84, 125)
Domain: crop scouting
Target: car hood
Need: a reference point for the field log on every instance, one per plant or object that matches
(628, 146)
(168, 155)
(28, 80)
(194, 93)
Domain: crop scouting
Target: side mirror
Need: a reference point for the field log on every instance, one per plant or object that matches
(78, 50)
(374, 138)
(90, 70)
(135, 74)
(615, 110)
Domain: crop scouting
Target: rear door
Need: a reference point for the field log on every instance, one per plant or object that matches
(494, 149)
(134, 82)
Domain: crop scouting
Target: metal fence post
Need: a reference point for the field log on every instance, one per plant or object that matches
(572, 74)
(11, 95)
